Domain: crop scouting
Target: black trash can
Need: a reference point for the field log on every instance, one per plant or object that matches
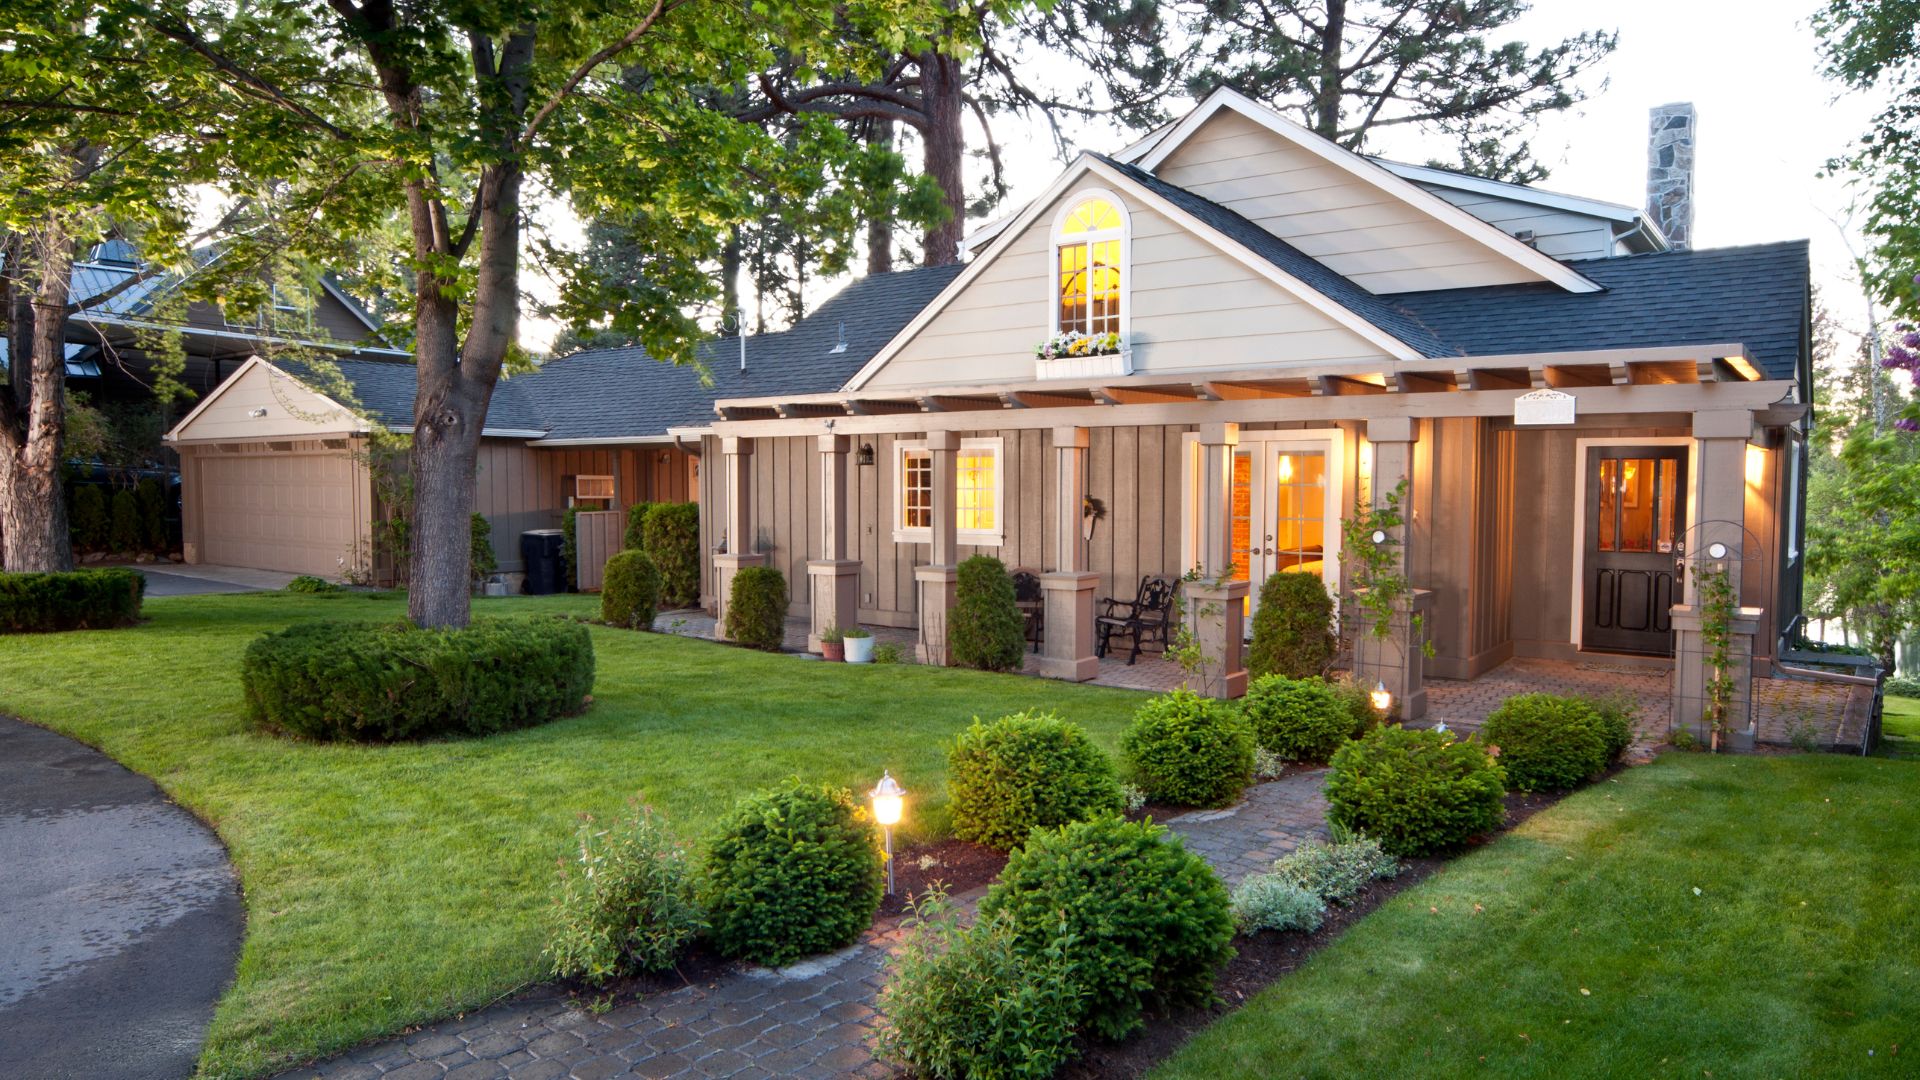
(540, 548)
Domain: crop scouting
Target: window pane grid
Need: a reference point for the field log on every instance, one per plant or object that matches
(916, 489)
(976, 490)
(1090, 270)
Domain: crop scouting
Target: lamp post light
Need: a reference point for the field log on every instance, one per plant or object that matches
(1381, 697)
(889, 801)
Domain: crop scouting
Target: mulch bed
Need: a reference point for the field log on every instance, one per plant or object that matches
(955, 865)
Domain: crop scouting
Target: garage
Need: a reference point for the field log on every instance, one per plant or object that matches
(282, 509)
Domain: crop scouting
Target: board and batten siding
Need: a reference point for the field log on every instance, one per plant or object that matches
(1376, 239)
(1562, 234)
(520, 487)
(1191, 307)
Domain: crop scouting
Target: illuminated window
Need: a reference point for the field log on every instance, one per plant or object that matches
(1089, 253)
(977, 493)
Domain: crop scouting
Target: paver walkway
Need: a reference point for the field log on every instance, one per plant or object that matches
(814, 1019)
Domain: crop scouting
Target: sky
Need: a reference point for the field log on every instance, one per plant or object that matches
(1768, 122)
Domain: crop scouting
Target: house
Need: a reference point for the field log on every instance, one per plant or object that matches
(1589, 418)
(277, 461)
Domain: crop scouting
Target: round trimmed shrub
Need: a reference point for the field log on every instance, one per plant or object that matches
(1189, 750)
(1415, 791)
(381, 682)
(1298, 719)
(793, 872)
(630, 591)
(984, 629)
(1025, 771)
(670, 535)
(757, 608)
(1292, 629)
(70, 600)
(1546, 742)
(1618, 714)
(1143, 920)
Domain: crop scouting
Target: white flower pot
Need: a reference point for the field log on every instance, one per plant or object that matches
(859, 650)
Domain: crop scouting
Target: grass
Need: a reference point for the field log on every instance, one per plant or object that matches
(1900, 729)
(389, 886)
(1701, 916)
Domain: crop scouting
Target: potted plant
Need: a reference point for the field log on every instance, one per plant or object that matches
(832, 645)
(859, 645)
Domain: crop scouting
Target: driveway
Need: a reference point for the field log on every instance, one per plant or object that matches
(182, 579)
(120, 918)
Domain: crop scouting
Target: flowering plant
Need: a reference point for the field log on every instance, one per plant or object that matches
(1075, 343)
(1903, 354)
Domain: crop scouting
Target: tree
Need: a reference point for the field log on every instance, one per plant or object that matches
(1870, 45)
(458, 116)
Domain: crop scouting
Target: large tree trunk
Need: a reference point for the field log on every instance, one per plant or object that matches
(945, 144)
(33, 505)
(880, 226)
(732, 320)
(1331, 85)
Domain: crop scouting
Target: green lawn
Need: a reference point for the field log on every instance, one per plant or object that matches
(1900, 729)
(1577, 946)
(387, 886)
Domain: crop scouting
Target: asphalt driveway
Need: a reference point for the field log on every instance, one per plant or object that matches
(120, 917)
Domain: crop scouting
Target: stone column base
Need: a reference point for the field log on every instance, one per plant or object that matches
(1692, 670)
(729, 566)
(1217, 612)
(1397, 661)
(834, 585)
(1066, 647)
(937, 587)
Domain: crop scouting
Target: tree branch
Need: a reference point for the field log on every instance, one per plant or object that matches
(586, 68)
(185, 35)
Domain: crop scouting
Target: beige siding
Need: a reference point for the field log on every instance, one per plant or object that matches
(1562, 234)
(519, 487)
(291, 411)
(302, 507)
(1192, 308)
(1355, 228)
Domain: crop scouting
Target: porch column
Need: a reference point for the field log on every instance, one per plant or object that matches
(1216, 605)
(1716, 546)
(1396, 660)
(737, 475)
(834, 578)
(935, 580)
(1066, 650)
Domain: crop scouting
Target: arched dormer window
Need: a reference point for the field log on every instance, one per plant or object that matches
(1089, 259)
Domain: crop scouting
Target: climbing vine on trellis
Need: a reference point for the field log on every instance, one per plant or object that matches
(1716, 633)
(1374, 571)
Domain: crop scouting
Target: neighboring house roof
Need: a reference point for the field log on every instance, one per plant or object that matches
(385, 391)
(1755, 295)
(1637, 225)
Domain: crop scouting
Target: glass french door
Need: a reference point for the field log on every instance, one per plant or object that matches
(1636, 521)
(1285, 511)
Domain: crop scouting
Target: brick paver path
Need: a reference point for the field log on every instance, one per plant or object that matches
(815, 1019)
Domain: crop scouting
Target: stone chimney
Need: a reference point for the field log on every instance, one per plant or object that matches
(1670, 171)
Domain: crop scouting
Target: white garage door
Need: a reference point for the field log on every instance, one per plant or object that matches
(288, 511)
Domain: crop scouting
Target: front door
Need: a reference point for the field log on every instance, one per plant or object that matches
(1636, 518)
(1285, 512)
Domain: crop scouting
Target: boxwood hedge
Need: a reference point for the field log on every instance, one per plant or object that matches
(71, 600)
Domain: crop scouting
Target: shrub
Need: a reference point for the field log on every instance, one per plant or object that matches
(569, 550)
(1359, 702)
(757, 610)
(481, 563)
(378, 682)
(793, 872)
(635, 536)
(967, 1002)
(1899, 686)
(1336, 872)
(1546, 741)
(1024, 771)
(630, 592)
(1267, 765)
(307, 583)
(1415, 791)
(1189, 750)
(1292, 629)
(1298, 719)
(151, 496)
(887, 652)
(984, 629)
(1618, 715)
(89, 525)
(624, 900)
(123, 531)
(671, 535)
(70, 600)
(1140, 919)
(1267, 902)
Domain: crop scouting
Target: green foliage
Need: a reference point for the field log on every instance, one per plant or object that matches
(1189, 750)
(1146, 921)
(887, 652)
(71, 600)
(1336, 872)
(481, 561)
(833, 635)
(630, 592)
(623, 901)
(1618, 714)
(984, 629)
(757, 610)
(307, 583)
(152, 497)
(381, 682)
(1547, 742)
(1026, 771)
(124, 533)
(1292, 628)
(1267, 902)
(635, 536)
(1869, 46)
(672, 540)
(1415, 791)
(1299, 719)
(1716, 636)
(793, 872)
(968, 1002)
(569, 550)
(89, 523)
(1903, 686)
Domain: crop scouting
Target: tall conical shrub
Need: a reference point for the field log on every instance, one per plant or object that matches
(984, 628)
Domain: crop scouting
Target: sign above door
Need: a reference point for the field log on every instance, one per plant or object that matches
(1543, 407)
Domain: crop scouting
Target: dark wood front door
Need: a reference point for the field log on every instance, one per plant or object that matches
(1636, 523)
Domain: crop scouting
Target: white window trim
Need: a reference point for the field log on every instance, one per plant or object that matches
(1796, 464)
(578, 493)
(1577, 622)
(1331, 441)
(1124, 234)
(993, 537)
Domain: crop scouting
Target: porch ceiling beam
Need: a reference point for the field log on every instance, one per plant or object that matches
(1207, 391)
(1147, 395)
(1012, 400)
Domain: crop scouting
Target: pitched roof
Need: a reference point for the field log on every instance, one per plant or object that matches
(1756, 295)
(385, 391)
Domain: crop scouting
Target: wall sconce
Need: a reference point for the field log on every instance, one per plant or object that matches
(666, 456)
(1091, 511)
(257, 412)
(1756, 465)
(864, 455)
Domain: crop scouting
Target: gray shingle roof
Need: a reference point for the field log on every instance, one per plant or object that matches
(1754, 295)
(385, 391)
